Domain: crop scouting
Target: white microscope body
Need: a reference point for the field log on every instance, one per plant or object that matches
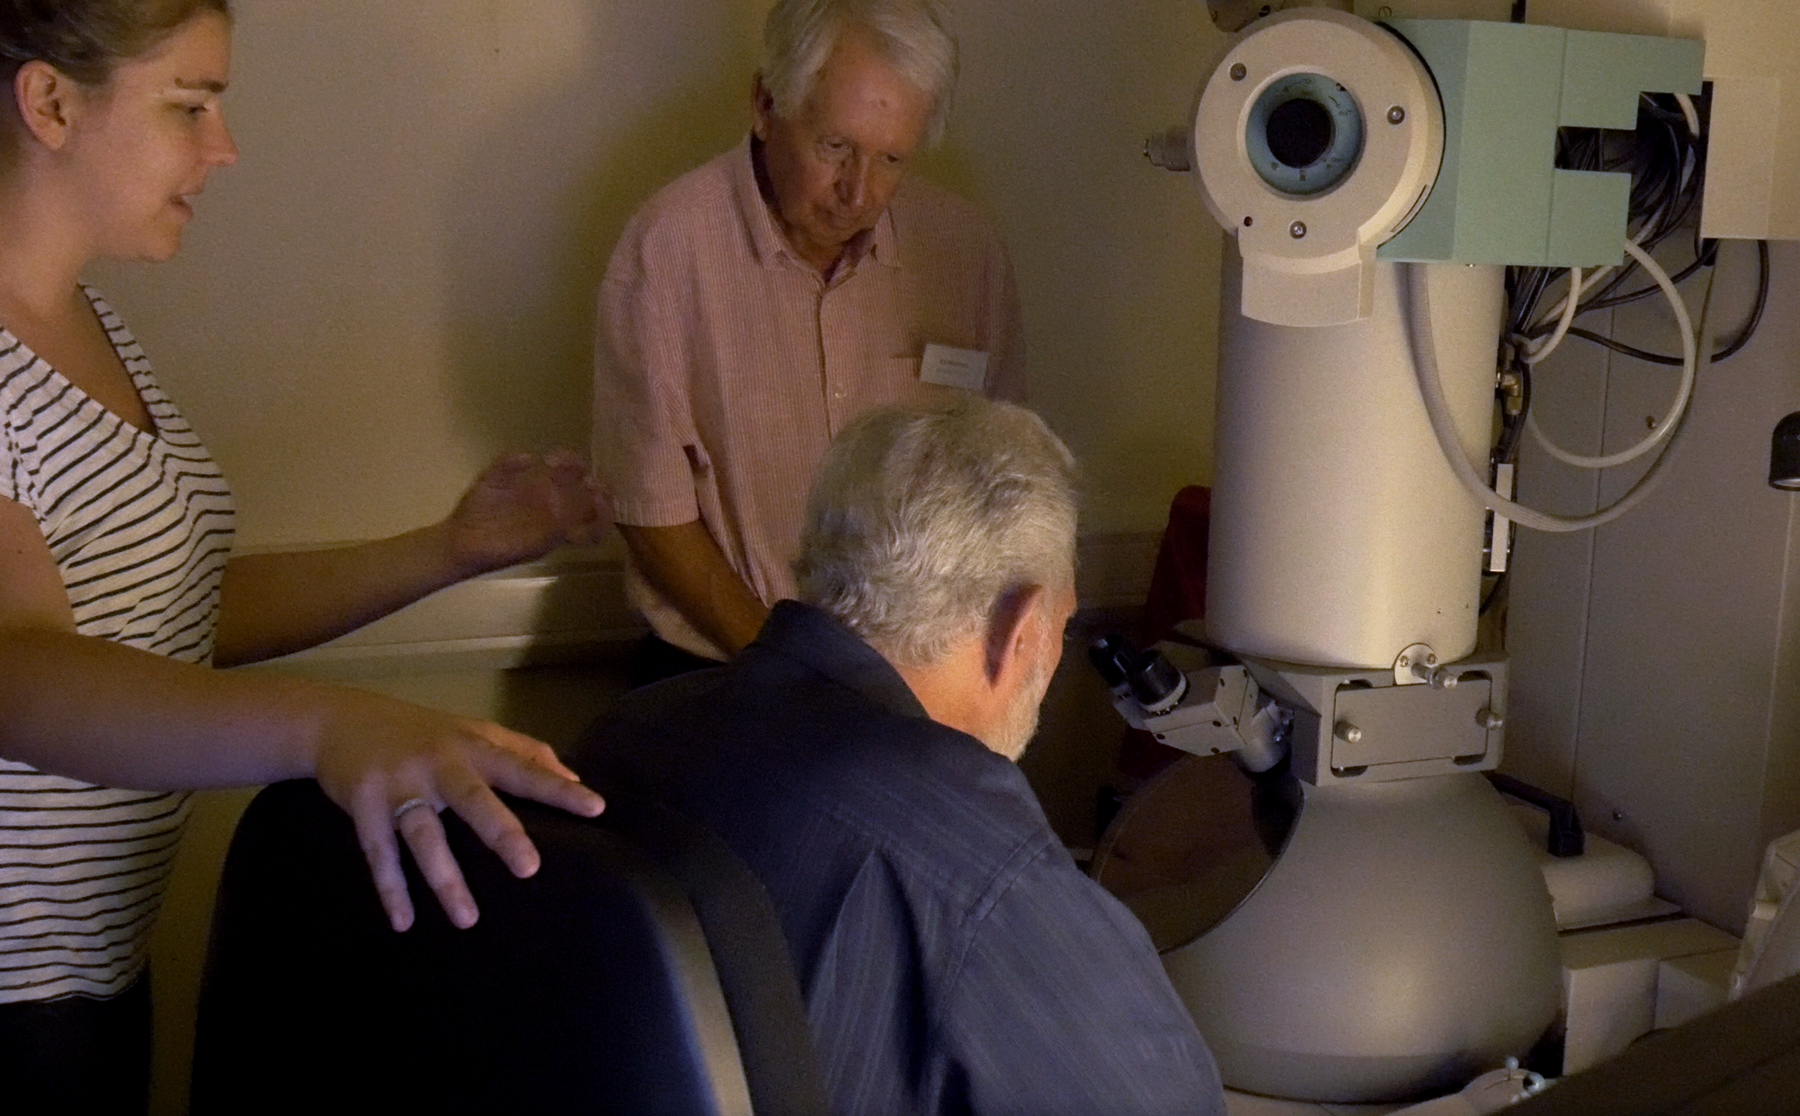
(1402, 941)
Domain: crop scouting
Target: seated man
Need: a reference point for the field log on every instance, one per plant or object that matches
(859, 756)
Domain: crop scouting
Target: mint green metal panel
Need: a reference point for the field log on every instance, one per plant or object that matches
(1587, 219)
(1431, 234)
(1602, 78)
(1603, 75)
(1506, 88)
(1500, 84)
(1508, 125)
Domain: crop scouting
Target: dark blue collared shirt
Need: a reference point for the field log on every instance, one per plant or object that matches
(952, 956)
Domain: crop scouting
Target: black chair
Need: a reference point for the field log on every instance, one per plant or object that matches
(633, 975)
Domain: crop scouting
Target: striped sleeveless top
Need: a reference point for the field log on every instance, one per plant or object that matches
(140, 526)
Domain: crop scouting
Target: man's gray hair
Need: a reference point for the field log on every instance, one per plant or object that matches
(799, 36)
(921, 519)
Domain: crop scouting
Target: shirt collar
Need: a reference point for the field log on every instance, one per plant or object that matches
(819, 641)
(771, 246)
(882, 245)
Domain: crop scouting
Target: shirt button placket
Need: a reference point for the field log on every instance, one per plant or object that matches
(832, 363)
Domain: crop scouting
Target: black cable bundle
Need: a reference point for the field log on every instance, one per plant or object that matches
(1666, 162)
(1666, 159)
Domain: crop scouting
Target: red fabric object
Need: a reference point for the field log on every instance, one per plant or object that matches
(1177, 593)
(1178, 584)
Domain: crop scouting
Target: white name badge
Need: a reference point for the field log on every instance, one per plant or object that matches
(963, 368)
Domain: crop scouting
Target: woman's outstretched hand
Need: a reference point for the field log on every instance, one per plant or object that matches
(522, 507)
(392, 766)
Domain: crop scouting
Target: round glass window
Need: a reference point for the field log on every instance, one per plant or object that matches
(1305, 134)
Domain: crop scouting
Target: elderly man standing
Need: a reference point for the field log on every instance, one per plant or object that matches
(859, 757)
(759, 303)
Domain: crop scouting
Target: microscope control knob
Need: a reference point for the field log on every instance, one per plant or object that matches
(1171, 149)
(1488, 719)
(1347, 732)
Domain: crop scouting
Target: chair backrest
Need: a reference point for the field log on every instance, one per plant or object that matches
(595, 986)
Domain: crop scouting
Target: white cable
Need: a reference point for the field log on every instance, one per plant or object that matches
(1431, 390)
(1571, 303)
(1689, 362)
(1687, 110)
(1593, 277)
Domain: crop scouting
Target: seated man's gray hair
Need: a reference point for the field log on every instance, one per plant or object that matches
(921, 519)
(799, 36)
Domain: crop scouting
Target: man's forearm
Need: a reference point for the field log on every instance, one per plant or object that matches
(686, 566)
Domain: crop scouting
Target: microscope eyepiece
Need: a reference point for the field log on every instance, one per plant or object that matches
(1157, 684)
(1114, 658)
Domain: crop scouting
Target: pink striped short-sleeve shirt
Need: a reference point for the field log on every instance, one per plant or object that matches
(725, 364)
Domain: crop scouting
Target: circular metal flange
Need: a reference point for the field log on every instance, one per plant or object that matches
(1415, 665)
(1376, 139)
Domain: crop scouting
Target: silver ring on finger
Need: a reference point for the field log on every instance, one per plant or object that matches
(412, 803)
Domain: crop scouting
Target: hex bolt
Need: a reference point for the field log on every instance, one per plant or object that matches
(1488, 719)
(1396, 115)
(1238, 72)
(1347, 732)
(1297, 230)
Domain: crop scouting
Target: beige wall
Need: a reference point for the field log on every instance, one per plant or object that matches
(396, 280)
